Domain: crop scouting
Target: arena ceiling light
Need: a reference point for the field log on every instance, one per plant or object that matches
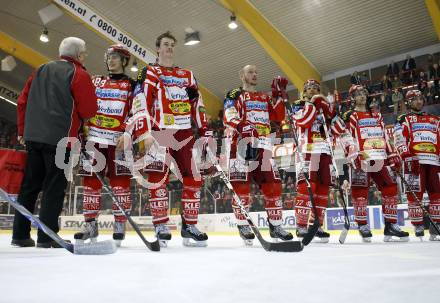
(44, 37)
(233, 24)
(8, 64)
(134, 67)
(191, 37)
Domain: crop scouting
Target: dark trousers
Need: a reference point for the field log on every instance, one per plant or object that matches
(41, 174)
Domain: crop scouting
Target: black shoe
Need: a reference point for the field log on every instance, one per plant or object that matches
(50, 244)
(322, 235)
(23, 242)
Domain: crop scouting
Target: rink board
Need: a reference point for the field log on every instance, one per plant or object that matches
(225, 222)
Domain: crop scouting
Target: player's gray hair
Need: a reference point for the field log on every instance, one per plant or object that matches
(72, 47)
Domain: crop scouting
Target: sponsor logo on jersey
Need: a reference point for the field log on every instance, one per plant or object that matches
(231, 113)
(161, 192)
(174, 81)
(425, 147)
(425, 136)
(180, 72)
(114, 108)
(367, 122)
(176, 93)
(105, 122)
(124, 84)
(111, 93)
(256, 105)
(168, 119)
(197, 194)
(258, 117)
(262, 130)
(371, 132)
(374, 144)
(423, 126)
(180, 107)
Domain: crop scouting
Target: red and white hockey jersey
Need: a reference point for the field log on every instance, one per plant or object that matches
(368, 131)
(309, 126)
(255, 108)
(162, 100)
(114, 95)
(417, 134)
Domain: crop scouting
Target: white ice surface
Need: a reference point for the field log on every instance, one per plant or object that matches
(225, 271)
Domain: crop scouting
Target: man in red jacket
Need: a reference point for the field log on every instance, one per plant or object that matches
(56, 99)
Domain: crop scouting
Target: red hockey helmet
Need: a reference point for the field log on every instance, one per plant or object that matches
(311, 82)
(120, 50)
(411, 95)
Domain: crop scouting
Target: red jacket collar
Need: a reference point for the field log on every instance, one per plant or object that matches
(74, 61)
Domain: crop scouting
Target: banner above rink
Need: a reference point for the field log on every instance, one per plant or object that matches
(104, 27)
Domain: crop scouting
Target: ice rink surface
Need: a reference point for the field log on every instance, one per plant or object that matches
(225, 271)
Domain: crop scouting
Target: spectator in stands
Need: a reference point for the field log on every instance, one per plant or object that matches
(431, 94)
(422, 80)
(398, 103)
(408, 68)
(396, 83)
(355, 79)
(364, 79)
(393, 69)
(430, 61)
(434, 74)
(385, 85)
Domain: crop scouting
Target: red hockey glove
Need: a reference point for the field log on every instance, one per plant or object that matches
(395, 162)
(206, 132)
(247, 130)
(279, 86)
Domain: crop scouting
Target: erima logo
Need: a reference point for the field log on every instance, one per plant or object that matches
(111, 93)
(255, 105)
(229, 103)
(367, 122)
(173, 81)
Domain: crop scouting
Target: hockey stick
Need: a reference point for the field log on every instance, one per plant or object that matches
(346, 227)
(288, 246)
(312, 229)
(154, 246)
(99, 248)
(425, 211)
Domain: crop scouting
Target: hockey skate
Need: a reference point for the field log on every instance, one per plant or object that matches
(162, 234)
(393, 230)
(246, 234)
(301, 231)
(433, 235)
(192, 236)
(322, 236)
(118, 232)
(419, 231)
(88, 231)
(365, 232)
(278, 232)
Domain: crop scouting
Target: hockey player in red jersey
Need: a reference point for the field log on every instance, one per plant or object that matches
(417, 140)
(375, 161)
(308, 115)
(114, 94)
(172, 100)
(247, 117)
